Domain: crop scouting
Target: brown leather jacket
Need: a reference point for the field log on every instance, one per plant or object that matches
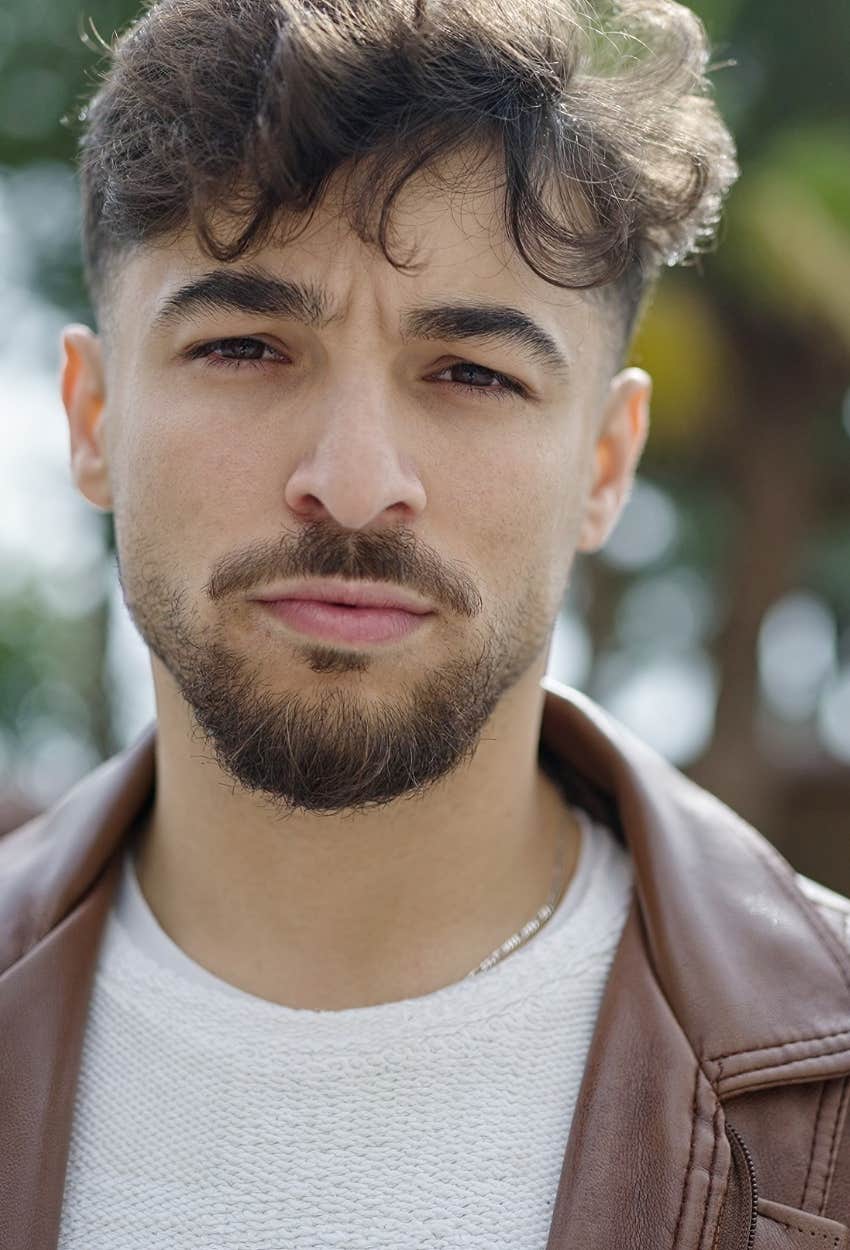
(712, 1114)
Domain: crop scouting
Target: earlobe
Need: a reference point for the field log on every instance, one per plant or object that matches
(84, 399)
(596, 525)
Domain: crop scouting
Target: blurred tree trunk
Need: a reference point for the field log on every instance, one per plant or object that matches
(765, 449)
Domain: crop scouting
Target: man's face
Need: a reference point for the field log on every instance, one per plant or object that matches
(459, 470)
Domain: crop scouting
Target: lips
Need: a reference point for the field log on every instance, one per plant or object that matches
(338, 622)
(351, 594)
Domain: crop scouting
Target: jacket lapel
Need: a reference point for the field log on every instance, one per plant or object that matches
(58, 874)
(725, 981)
(43, 1009)
(647, 1159)
(723, 918)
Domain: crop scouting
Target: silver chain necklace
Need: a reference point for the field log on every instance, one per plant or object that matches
(538, 920)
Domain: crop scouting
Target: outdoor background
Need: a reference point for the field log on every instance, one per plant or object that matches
(716, 623)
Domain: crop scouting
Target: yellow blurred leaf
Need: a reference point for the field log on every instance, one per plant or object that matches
(683, 347)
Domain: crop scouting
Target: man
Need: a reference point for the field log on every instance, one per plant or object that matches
(378, 936)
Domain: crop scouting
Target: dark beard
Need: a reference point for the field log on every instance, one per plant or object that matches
(334, 750)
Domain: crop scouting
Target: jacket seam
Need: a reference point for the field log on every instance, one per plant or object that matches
(777, 1065)
(802, 1202)
(797, 1229)
(690, 1159)
(724, 1198)
(827, 1183)
(791, 1041)
(711, 1174)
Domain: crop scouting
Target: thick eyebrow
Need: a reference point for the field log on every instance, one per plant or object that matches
(259, 292)
(498, 322)
(243, 290)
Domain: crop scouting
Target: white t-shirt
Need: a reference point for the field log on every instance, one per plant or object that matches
(206, 1117)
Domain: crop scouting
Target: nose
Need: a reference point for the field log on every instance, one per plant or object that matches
(355, 468)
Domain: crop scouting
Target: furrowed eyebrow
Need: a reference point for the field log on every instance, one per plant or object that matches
(258, 292)
(243, 290)
(487, 321)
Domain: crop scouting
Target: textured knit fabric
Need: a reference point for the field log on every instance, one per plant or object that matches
(208, 1117)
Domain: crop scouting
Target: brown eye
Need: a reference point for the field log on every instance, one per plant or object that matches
(233, 353)
(506, 386)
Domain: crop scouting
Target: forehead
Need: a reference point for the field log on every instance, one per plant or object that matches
(450, 226)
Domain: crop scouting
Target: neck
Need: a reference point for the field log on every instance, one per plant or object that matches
(329, 913)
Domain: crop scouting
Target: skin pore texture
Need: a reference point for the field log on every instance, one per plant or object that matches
(338, 825)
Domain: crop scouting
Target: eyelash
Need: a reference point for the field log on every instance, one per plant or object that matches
(204, 351)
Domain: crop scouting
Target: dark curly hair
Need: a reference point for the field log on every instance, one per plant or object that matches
(616, 159)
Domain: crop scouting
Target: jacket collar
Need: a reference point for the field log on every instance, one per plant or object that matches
(723, 918)
(726, 980)
(717, 919)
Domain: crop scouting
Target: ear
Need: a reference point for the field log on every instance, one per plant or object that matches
(84, 398)
(619, 445)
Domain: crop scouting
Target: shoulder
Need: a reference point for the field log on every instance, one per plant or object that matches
(834, 908)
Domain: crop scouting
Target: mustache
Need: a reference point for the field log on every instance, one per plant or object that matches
(323, 550)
